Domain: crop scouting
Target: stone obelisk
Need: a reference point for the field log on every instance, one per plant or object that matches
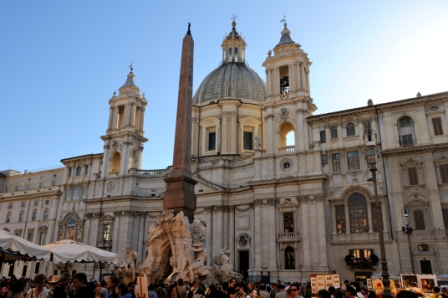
(179, 195)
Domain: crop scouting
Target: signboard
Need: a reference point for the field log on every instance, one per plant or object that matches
(324, 281)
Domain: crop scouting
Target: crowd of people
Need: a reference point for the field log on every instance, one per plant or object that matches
(66, 286)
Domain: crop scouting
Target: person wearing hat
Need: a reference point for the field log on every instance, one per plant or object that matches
(61, 282)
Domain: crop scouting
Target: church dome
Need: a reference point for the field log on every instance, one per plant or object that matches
(231, 79)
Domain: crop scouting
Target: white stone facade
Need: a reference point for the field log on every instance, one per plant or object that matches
(290, 208)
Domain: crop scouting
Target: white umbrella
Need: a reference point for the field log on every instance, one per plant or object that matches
(14, 248)
(64, 251)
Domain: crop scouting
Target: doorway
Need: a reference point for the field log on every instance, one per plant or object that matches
(425, 265)
(244, 263)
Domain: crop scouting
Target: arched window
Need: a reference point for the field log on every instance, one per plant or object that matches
(34, 216)
(116, 160)
(78, 171)
(350, 129)
(358, 214)
(8, 217)
(46, 214)
(70, 229)
(289, 258)
(334, 132)
(286, 142)
(86, 170)
(21, 216)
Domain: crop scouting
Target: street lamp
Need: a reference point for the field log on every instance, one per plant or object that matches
(407, 229)
(371, 162)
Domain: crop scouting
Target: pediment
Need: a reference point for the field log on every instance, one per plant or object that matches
(287, 204)
(411, 162)
(204, 186)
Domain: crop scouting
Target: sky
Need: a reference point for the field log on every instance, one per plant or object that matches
(61, 61)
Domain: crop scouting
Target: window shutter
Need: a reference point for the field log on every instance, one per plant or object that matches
(437, 126)
(444, 173)
(413, 176)
(419, 220)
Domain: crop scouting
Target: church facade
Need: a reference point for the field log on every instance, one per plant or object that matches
(288, 191)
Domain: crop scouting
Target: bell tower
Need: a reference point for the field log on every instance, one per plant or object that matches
(288, 100)
(123, 142)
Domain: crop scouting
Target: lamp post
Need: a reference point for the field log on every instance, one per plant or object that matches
(371, 162)
(407, 229)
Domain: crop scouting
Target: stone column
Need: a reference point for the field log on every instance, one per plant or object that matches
(272, 235)
(323, 263)
(225, 211)
(111, 116)
(142, 119)
(94, 230)
(231, 238)
(208, 243)
(234, 131)
(87, 225)
(218, 235)
(268, 78)
(299, 136)
(299, 76)
(270, 132)
(347, 222)
(225, 133)
(258, 232)
(117, 215)
(306, 252)
(141, 234)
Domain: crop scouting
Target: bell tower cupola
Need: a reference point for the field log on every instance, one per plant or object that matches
(233, 47)
(287, 71)
(123, 142)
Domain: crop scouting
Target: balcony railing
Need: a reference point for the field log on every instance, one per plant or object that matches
(150, 173)
(288, 237)
(287, 149)
(104, 243)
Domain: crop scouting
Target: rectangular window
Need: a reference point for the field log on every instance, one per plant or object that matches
(53, 183)
(370, 154)
(22, 204)
(324, 159)
(30, 235)
(361, 253)
(45, 214)
(34, 215)
(334, 132)
(413, 176)
(336, 161)
(419, 220)
(17, 233)
(247, 142)
(340, 219)
(445, 217)
(106, 232)
(407, 141)
(21, 217)
(42, 236)
(323, 136)
(437, 126)
(36, 203)
(66, 194)
(40, 185)
(377, 217)
(288, 222)
(83, 193)
(353, 160)
(16, 188)
(211, 141)
(75, 193)
(36, 269)
(444, 173)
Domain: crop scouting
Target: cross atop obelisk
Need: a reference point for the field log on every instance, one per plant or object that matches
(179, 195)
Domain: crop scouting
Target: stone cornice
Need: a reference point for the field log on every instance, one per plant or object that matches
(287, 180)
(82, 158)
(416, 149)
(27, 196)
